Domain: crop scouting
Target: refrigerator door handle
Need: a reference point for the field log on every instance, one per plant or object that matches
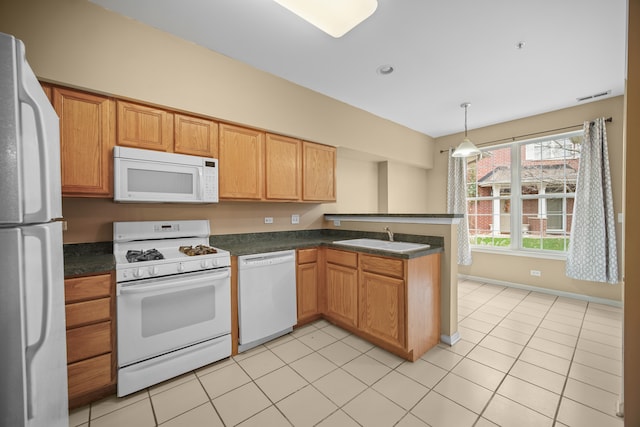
(42, 235)
(43, 151)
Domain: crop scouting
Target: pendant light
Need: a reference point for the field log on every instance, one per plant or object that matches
(466, 147)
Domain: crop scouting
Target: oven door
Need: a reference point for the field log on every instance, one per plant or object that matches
(156, 316)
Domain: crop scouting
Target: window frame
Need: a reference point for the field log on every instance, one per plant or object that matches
(516, 199)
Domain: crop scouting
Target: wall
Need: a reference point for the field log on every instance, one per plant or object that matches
(632, 228)
(515, 269)
(401, 188)
(77, 43)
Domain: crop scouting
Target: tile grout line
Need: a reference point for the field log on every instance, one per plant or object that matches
(516, 358)
(566, 379)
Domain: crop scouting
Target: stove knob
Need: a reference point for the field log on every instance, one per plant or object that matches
(204, 263)
(153, 270)
(180, 268)
(215, 262)
(137, 272)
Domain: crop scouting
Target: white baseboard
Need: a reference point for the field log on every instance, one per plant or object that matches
(582, 297)
(450, 339)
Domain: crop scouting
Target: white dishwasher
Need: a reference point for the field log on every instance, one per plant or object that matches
(266, 297)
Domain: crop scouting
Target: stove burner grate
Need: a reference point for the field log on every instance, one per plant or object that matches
(148, 255)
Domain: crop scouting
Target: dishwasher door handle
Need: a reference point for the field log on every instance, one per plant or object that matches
(262, 260)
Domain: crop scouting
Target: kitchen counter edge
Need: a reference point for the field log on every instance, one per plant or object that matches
(86, 259)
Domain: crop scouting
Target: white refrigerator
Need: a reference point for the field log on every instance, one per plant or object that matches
(33, 365)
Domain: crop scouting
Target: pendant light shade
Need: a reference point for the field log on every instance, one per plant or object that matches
(334, 17)
(466, 147)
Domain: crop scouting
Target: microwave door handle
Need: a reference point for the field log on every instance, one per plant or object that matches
(201, 183)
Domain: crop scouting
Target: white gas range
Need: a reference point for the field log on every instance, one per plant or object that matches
(173, 300)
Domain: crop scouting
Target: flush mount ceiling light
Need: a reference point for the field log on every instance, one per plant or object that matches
(466, 147)
(334, 17)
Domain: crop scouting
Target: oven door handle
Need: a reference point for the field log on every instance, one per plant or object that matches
(194, 282)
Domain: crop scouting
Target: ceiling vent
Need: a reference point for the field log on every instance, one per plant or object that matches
(597, 95)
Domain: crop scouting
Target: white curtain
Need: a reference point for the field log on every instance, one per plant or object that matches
(592, 249)
(457, 203)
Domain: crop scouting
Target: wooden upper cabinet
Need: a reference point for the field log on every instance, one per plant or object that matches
(319, 172)
(241, 163)
(142, 126)
(48, 90)
(87, 137)
(283, 167)
(195, 136)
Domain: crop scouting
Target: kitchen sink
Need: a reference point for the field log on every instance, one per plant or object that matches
(385, 245)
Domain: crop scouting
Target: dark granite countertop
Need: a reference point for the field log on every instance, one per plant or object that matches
(95, 258)
(255, 243)
(82, 259)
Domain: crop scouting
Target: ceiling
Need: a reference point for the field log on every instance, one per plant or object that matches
(443, 53)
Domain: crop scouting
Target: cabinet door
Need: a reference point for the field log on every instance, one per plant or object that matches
(307, 291)
(342, 294)
(283, 168)
(241, 163)
(88, 341)
(87, 137)
(319, 172)
(382, 312)
(195, 136)
(88, 375)
(48, 90)
(141, 126)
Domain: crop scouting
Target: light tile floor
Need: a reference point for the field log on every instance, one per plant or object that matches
(525, 359)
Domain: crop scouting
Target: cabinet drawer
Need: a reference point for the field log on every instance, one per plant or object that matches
(88, 341)
(89, 375)
(88, 287)
(306, 256)
(385, 266)
(348, 259)
(87, 312)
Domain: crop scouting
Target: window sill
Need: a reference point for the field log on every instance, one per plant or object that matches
(520, 253)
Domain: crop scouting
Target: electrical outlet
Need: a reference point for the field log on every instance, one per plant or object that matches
(64, 225)
(295, 219)
(536, 273)
(336, 222)
(268, 220)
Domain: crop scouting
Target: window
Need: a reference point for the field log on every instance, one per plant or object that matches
(537, 217)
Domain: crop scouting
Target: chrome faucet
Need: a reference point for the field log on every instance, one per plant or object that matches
(390, 233)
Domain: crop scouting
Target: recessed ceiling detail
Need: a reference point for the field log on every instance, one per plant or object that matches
(385, 70)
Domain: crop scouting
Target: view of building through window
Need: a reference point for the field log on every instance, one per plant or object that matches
(520, 195)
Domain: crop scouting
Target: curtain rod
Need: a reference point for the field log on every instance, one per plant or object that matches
(513, 138)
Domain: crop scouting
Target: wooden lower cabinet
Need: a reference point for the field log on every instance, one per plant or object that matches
(342, 287)
(91, 354)
(307, 292)
(392, 302)
(382, 307)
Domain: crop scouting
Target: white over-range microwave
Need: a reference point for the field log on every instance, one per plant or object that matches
(154, 176)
